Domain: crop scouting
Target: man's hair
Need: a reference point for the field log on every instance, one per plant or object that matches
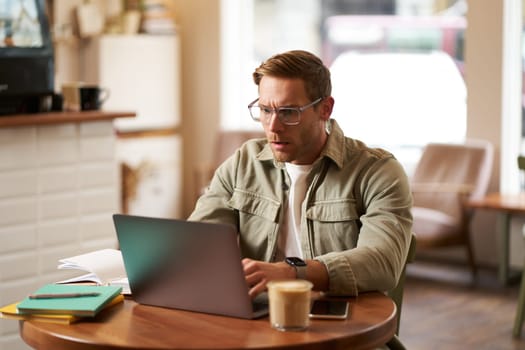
(298, 64)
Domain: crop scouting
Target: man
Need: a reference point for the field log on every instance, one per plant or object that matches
(307, 201)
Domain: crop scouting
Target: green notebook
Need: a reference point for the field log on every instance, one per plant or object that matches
(77, 306)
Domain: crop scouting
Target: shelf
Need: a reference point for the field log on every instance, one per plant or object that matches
(61, 118)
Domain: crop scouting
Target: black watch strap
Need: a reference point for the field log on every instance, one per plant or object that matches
(299, 265)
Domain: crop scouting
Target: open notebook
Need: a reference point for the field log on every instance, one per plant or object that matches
(194, 266)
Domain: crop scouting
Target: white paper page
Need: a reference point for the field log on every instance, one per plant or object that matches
(107, 264)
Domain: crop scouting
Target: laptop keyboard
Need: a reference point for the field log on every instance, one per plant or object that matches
(259, 305)
(260, 302)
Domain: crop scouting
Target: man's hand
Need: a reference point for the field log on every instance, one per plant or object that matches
(258, 273)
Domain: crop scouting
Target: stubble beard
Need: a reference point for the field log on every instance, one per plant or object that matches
(281, 157)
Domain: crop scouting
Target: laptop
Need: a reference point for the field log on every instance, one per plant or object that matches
(194, 266)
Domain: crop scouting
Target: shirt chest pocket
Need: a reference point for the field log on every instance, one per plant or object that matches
(334, 225)
(254, 204)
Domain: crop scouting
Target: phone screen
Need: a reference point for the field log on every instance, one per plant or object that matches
(329, 309)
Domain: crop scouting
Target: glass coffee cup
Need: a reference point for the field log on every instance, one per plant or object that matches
(290, 302)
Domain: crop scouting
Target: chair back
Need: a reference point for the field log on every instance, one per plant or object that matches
(226, 143)
(521, 162)
(229, 140)
(446, 171)
(521, 166)
(396, 294)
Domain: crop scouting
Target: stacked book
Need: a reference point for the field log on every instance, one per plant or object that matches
(158, 17)
(63, 303)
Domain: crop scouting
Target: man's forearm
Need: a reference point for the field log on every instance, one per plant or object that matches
(317, 274)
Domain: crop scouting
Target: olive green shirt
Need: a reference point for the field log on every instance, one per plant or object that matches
(355, 217)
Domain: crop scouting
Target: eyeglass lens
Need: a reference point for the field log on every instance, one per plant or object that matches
(285, 115)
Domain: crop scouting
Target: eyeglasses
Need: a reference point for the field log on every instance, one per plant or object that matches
(286, 115)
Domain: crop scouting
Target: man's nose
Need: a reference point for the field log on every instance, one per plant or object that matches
(274, 123)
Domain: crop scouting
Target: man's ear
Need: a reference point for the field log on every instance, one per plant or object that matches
(327, 106)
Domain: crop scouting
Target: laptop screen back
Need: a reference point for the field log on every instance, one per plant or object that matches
(186, 265)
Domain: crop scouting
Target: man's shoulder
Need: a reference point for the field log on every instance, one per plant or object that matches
(256, 149)
(343, 149)
(255, 143)
(358, 147)
(249, 151)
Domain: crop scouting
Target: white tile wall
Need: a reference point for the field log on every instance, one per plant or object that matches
(57, 179)
(18, 238)
(58, 189)
(18, 183)
(17, 148)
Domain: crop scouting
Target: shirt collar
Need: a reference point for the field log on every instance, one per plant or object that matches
(335, 144)
(333, 149)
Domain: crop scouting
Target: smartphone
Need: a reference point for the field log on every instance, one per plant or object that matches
(333, 309)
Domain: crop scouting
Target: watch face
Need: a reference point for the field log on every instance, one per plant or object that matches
(295, 261)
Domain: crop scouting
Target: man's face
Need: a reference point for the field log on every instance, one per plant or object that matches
(297, 144)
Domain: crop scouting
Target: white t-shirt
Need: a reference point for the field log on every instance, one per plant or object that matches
(289, 242)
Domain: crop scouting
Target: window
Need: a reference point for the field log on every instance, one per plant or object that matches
(396, 65)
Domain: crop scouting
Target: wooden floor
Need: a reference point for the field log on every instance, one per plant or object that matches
(444, 309)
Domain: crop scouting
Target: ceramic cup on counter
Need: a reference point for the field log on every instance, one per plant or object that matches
(80, 96)
(92, 97)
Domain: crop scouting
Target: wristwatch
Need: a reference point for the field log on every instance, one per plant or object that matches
(299, 265)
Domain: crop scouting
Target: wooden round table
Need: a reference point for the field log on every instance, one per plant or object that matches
(371, 323)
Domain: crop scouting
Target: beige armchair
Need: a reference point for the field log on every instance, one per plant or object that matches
(446, 176)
